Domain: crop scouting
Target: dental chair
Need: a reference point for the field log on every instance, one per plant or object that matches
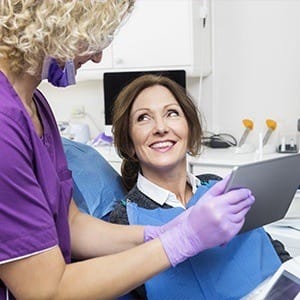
(96, 185)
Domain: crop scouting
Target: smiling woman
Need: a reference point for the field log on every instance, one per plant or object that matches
(159, 132)
(154, 109)
(155, 124)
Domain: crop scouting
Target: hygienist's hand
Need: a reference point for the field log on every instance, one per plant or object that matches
(213, 221)
(151, 232)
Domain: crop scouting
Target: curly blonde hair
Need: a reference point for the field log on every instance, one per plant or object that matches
(63, 29)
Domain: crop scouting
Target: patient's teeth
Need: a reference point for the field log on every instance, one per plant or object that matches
(162, 144)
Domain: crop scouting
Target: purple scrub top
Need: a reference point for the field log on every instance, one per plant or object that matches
(35, 183)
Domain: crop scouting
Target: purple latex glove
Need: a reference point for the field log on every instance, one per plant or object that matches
(213, 221)
(152, 232)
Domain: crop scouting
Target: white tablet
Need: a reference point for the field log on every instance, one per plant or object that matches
(273, 183)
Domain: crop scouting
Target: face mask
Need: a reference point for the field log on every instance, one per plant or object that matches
(57, 76)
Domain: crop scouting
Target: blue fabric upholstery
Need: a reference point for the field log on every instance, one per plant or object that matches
(97, 186)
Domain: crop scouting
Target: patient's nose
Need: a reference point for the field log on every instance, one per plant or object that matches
(161, 126)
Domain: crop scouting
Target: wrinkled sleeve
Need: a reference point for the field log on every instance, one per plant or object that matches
(27, 225)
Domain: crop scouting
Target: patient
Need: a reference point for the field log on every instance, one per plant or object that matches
(155, 125)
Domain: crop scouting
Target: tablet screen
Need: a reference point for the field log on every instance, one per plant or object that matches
(286, 287)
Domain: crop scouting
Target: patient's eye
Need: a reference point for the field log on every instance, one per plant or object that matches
(143, 117)
(173, 113)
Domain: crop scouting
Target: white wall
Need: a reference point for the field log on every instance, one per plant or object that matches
(256, 65)
(256, 71)
(90, 95)
(85, 93)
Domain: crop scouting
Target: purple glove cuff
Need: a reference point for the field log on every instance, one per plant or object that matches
(151, 232)
(179, 246)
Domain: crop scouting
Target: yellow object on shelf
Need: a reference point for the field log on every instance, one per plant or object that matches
(271, 124)
(249, 126)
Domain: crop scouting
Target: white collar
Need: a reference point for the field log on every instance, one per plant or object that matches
(161, 195)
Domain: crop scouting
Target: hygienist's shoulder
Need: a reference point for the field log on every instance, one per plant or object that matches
(12, 111)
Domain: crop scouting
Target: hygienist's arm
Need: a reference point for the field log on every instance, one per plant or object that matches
(92, 237)
(46, 276)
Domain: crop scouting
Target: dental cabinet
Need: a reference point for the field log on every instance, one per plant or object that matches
(160, 34)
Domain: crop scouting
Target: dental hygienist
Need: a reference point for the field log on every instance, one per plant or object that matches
(41, 228)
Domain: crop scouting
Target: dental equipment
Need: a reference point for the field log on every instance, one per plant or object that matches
(271, 124)
(249, 126)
